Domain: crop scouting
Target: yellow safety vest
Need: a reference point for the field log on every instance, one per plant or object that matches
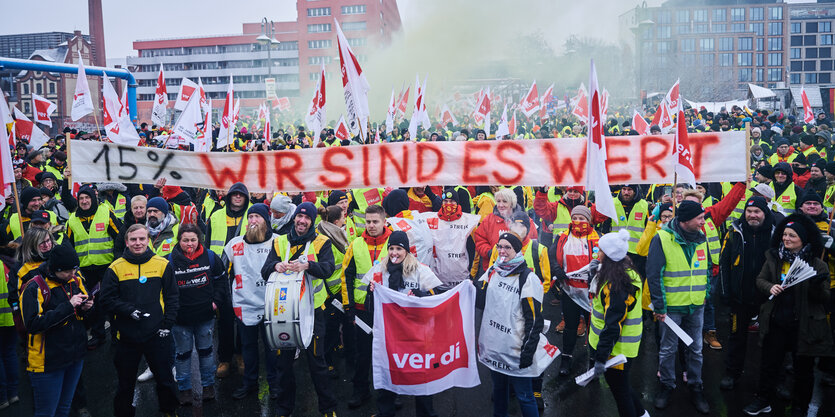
(634, 222)
(631, 327)
(713, 243)
(93, 246)
(363, 263)
(218, 223)
(121, 206)
(281, 244)
(14, 223)
(685, 284)
(365, 197)
(788, 199)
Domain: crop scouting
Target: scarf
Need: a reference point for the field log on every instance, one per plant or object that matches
(168, 220)
(296, 240)
(335, 234)
(395, 275)
(279, 223)
(505, 268)
(789, 256)
(450, 212)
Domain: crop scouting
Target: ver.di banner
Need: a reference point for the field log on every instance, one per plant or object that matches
(719, 156)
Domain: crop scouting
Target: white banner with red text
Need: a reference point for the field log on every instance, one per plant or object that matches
(719, 156)
(431, 343)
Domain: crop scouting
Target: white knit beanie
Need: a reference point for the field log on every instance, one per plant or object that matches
(615, 245)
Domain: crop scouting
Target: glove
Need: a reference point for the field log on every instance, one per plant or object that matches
(828, 241)
(599, 368)
(136, 315)
(163, 332)
(525, 361)
(594, 265)
(559, 273)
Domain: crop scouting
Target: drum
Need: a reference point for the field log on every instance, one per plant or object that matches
(288, 310)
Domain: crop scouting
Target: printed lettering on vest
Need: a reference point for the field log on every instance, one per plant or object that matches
(372, 196)
(99, 227)
(700, 255)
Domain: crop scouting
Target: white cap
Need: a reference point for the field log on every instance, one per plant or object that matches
(614, 245)
(765, 190)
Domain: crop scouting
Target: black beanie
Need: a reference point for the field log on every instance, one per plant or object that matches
(766, 171)
(27, 194)
(808, 140)
(688, 210)
(514, 241)
(830, 167)
(800, 159)
(395, 202)
(758, 202)
(797, 227)
(336, 196)
(399, 238)
(807, 196)
(63, 258)
(820, 164)
(450, 193)
(260, 209)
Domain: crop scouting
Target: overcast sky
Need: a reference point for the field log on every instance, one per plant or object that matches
(155, 19)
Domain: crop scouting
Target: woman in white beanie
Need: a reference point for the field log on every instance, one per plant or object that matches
(616, 320)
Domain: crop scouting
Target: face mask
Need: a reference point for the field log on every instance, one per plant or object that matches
(580, 227)
(449, 208)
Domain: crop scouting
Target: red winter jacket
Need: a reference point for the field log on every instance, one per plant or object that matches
(486, 235)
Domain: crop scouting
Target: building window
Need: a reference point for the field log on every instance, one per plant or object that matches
(745, 44)
(760, 44)
(26, 107)
(775, 28)
(759, 73)
(314, 76)
(664, 47)
(759, 62)
(700, 15)
(51, 88)
(317, 60)
(346, 26)
(320, 44)
(701, 28)
(810, 65)
(811, 78)
(38, 89)
(775, 74)
(775, 60)
(683, 16)
(719, 15)
(744, 60)
(797, 40)
(795, 53)
(826, 39)
(756, 28)
(824, 77)
(354, 42)
(719, 28)
(756, 13)
(811, 53)
(809, 40)
(358, 9)
(745, 74)
(664, 17)
(319, 11)
(738, 27)
(796, 28)
(726, 44)
(824, 27)
(664, 32)
(797, 66)
(683, 29)
(825, 53)
(812, 27)
(738, 14)
(774, 13)
(795, 78)
(688, 45)
(775, 44)
(319, 28)
(826, 65)
(706, 44)
(726, 60)
(706, 60)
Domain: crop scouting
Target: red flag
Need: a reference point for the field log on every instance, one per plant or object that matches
(656, 118)
(511, 126)
(341, 131)
(447, 116)
(530, 103)
(403, 103)
(597, 178)
(355, 86)
(681, 151)
(158, 113)
(26, 130)
(483, 110)
(673, 99)
(43, 109)
(187, 88)
(808, 115)
(315, 118)
(639, 124)
(580, 103)
(227, 122)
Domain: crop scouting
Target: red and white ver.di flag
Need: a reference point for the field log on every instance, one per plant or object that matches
(43, 109)
(355, 85)
(82, 100)
(392, 110)
(158, 112)
(808, 115)
(597, 178)
(502, 129)
(26, 130)
(639, 124)
(424, 345)
(682, 158)
(187, 88)
(227, 122)
(6, 166)
(580, 104)
(341, 131)
(483, 111)
(530, 103)
(315, 118)
(447, 116)
(119, 129)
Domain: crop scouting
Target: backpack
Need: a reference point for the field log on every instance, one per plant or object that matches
(43, 287)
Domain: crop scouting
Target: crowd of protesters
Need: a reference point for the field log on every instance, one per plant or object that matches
(172, 271)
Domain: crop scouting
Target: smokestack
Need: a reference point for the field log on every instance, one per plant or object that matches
(96, 22)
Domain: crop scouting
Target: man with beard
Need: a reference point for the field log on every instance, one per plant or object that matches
(223, 224)
(633, 212)
(303, 250)
(784, 188)
(740, 262)
(92, 230)
(162, 226)
(245, 256)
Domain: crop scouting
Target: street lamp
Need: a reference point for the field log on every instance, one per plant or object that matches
(267, 37)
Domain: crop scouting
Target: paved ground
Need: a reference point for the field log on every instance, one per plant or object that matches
(562, 397)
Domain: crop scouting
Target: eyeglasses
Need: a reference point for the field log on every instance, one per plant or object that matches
(45, 242)
(504, 247)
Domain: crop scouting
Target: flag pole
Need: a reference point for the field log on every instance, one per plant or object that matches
(17, 206)
(359, 124)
